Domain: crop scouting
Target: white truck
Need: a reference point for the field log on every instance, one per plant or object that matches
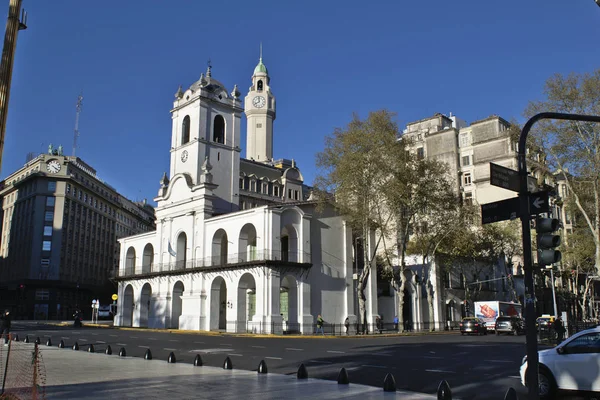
(490, 310)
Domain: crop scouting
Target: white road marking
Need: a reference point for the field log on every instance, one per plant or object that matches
(335, 351)
(83, 340)
(121, 344)
(321, 362)
(144, 347)
(516, 377)
(208, 351)
(167, 348)
(373, 366)
(293, 349)
(100, 341)
(256, 347)
(440, 371)
(225, 344)
(65, 337)
(133, 337)
(152, 339)
(235, 355)
(173, 340)
(274, 358)
(75, 333)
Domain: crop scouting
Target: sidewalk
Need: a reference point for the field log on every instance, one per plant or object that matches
(79, 375)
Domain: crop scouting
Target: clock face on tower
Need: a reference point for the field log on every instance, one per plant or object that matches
(184, 156)
(53, 166)
(258, 101)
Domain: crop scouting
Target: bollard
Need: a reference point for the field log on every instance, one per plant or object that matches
(343, 377)
(91, 349)
(148, 355)
(37, 340)
(444, 392)
(227, 364)
(511, 394)
(262, 367)
(16, 339)
(389, 383)
(61, 345)
(108, 350)
(49, 342)
(76, 346)
(302, 372)
(171, 359)
(122, 352)
(197, 361)
(26, 339)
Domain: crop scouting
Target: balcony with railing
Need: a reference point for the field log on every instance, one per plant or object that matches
(229, 261)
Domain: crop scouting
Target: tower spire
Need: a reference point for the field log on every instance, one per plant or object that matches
(260, 54)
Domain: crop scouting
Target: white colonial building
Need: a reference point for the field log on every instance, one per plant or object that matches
(239, 246)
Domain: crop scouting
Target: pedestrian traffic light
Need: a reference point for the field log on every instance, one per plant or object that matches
(547, 241)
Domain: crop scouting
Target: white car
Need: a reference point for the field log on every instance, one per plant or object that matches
(572, 365)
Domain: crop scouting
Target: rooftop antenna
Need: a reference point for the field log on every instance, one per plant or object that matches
(78, 111)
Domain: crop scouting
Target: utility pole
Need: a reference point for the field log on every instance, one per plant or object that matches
(13, 26)
(78, 111)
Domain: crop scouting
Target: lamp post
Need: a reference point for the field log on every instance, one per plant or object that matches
(549, 267)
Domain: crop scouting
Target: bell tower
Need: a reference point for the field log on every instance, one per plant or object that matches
(259, 106)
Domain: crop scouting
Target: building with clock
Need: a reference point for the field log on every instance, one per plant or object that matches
(240, 245)
(58, 247)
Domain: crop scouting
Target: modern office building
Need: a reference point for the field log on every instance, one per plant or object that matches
(60, 225)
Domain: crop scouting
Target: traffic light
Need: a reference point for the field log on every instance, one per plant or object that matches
(547, 241)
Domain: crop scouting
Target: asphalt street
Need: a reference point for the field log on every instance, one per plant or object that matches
(476, 367)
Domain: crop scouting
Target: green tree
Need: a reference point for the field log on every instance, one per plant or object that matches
(573, 146)
(363, 166)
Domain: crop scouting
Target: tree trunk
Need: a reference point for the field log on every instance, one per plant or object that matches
(400, 294)
(429, 290)
(363, 278)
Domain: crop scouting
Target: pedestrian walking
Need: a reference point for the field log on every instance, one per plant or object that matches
(559, 329)
(396, 323)
(320, 322)
(347, 325)
(5, 327)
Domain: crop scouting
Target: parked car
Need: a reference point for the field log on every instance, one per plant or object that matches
(513, 325)
(104, 312)
(473, 325)
(572, 365)
(544, 322)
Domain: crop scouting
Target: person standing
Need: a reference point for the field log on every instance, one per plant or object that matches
(5, 327)
(559, 328)
(347, 325)
(320, 322)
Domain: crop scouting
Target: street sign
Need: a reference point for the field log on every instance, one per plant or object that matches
(510, 208)
(114, 297)
(500, 210)
(507, 178)
(94, 301)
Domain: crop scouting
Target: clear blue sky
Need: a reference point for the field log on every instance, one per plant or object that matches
(326, 59)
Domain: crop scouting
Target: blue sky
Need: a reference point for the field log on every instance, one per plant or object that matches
(326, 59)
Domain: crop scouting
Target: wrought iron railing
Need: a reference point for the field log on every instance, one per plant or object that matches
(220, 260)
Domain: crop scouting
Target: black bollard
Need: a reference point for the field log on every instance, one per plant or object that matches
(227, 364)
(444, 392)
(262, 367)
(76, 346)
(511, 394)
(197, 361)
(389, 383)
(122, 352)
(302, 372)
(343, 377)
(148, 355)
(61, 345)
(16, 339)
(171, 359)
(49, 342)
(91, 349)
(108, 350)
(26, 339)
(37, 340)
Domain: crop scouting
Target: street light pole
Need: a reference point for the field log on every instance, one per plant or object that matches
(531, 377)
(553, 290)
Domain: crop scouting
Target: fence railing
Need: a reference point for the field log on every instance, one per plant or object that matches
(220, 260)
(22, 372)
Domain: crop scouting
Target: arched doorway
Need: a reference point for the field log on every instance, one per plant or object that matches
(407, 311)
(218, 304)
(246, 307)
(127, 306)
(247, 243)
(145, 298)
(130, 261)
(219, 129)
(288, 303)
(219, 248)
(147, 259)
(176, 308)
(181, 254)
(289, 244)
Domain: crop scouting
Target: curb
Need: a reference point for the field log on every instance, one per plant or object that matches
(255, 335)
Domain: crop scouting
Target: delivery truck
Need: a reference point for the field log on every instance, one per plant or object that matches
(490, 310)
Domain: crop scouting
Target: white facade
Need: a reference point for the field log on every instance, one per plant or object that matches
(209, 267)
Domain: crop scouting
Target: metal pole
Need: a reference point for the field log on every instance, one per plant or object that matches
(553, 292)
(531, 334)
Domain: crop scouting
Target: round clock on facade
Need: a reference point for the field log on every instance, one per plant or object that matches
(53, 166)
(258, 101)
(184, 156)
